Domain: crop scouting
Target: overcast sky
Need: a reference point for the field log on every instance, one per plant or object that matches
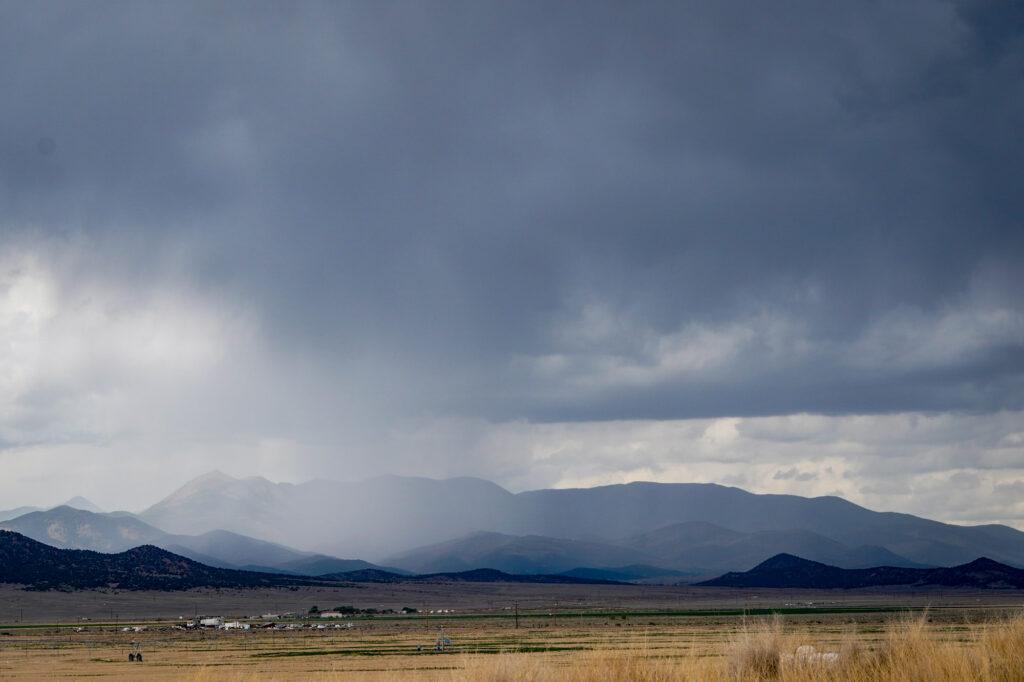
(774, 245)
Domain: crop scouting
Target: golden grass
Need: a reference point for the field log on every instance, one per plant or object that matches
(910, 651)
(944, 645)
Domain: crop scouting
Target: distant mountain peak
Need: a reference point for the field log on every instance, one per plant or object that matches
(982, 563)
(214, 476)
(217, 480)
(211, 480)
(79, 502)
(785, 561)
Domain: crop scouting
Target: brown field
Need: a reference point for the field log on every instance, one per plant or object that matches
(565, 632)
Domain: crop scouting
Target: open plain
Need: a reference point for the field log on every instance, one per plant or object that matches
(562, 631)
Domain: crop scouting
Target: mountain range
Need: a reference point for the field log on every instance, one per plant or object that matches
(671, 530)
(786, 570)
(38, 566)
(688, 526)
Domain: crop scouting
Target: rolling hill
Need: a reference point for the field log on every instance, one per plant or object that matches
(786, 570)
(37, 566)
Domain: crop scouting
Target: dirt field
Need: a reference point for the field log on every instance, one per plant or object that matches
(44, 636)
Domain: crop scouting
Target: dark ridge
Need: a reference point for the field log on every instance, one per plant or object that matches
(491, 575)
(479, 575)
(36, 566)
(369, 575)
(633, 572)
(786, 570)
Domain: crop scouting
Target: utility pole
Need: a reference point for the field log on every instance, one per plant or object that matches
(517, 613)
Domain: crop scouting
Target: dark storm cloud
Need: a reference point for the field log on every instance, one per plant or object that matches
(554, 210)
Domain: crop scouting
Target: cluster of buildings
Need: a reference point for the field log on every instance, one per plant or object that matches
(295, 621)
(286, 621)
(216, 623)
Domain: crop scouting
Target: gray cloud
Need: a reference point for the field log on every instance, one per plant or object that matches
(365, 213)
(793, 474)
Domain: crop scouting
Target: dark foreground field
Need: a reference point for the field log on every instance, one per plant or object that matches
(564, 632)
(466, 599)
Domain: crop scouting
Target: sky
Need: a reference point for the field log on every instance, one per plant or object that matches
(771, 245)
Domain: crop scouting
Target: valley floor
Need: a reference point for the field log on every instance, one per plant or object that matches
(564, 632)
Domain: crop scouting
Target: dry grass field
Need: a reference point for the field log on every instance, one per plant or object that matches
(623, 634)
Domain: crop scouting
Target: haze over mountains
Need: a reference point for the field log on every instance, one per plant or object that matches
(386, 517)
(372, 518)
(514, 554)
(425, 525)
(68, 528)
